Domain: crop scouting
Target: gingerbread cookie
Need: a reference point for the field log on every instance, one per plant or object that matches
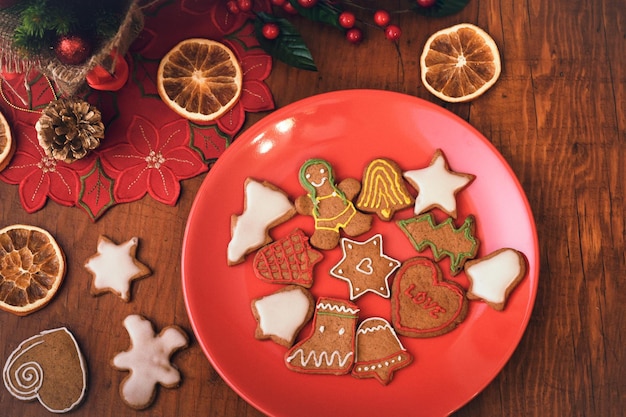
(437, 185)
(365, 267)
(329, 348)
(443, 239)
(265, 206)
(48, 367)
(383, 191)
(148, 360)
(331, 205)
(379, 352)
(494, 277)
(281, 315)
(114, 267)
(289, 260)
(423, 304)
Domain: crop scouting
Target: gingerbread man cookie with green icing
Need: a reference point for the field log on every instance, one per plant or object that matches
(330, 204)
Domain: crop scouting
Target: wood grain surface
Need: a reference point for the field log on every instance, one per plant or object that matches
(557, 115)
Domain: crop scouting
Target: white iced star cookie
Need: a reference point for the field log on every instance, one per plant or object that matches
(114, 267)
(495, 276)
(148, 360)
(437, 185)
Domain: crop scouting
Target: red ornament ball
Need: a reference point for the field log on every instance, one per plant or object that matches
(382, 18)
(72, 49)
(426, 3)
(307, 3)
(393, 32)
(270, 31)
(347, 20)
(354, 35)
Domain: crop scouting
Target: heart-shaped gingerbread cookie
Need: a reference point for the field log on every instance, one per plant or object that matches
(423, 304)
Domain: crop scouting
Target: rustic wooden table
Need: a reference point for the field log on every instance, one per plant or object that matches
(557, 115)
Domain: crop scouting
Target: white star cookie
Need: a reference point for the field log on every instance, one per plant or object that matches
(494, 277)
(437, 185)
(148, 360)
(115, 266)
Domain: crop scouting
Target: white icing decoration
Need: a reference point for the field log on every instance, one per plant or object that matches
(322, 328)
(28, 379)
(264, 206)
(342, 331)
(323, 357)
(365, 266)
(491, 277)
(114, 267)
(437, 186)
(337, 308)
(148, 359)
(281, 314)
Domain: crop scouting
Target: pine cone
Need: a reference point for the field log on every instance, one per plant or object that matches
(69, 128)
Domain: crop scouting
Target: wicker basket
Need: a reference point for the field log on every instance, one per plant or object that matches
(68, 78)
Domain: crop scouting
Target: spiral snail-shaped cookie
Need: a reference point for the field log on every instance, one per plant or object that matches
(49, 367)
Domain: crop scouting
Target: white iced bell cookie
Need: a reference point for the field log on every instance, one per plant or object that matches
(265, 206)
(148, 360)
(437, 185)
(494, 277)
(115, 266)
(282, 314)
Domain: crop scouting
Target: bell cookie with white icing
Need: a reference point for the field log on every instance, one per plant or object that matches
(281, 315)
(379, 352)
(265, 206)
(115, 266)
(329, 348)
(383, 191)
(48, 367)
(148, 360)
(494, 277)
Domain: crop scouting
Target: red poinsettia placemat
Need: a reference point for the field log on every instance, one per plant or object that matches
(147, 147)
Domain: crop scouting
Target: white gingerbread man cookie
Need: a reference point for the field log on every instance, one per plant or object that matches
(148, 360)
(114, 267)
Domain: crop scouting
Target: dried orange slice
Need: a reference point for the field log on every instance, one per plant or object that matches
(200, 79)
(32, 267)
(460, 63)
(7, 144)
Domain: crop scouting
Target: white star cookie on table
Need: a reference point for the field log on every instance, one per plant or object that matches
(148, 360)
(437, 185)
(114, 267)
(495, 276)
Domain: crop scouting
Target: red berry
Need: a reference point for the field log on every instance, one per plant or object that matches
(393, 32)
(426, 3)
(382, 18)
(232, 7)
(354, 35)
(289, 8)
(347, 20)
(270, 31)
(307, 3)
(278, 3)
(244, 5)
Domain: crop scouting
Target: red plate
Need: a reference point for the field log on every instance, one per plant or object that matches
(349, 128)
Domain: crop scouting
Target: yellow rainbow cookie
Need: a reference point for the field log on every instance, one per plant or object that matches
(383, 190)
